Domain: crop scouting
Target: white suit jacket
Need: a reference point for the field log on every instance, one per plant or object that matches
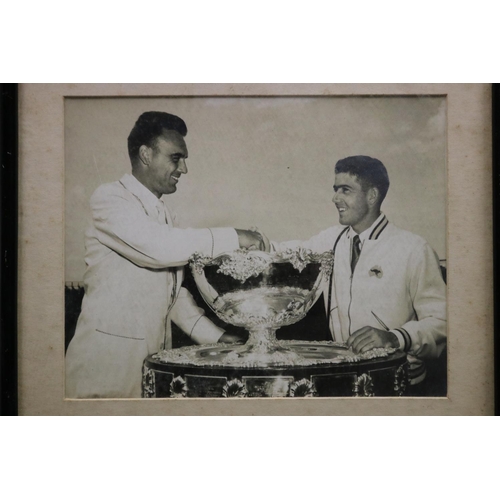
(132, 290)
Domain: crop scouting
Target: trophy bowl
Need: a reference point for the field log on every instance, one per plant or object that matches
(261, 292)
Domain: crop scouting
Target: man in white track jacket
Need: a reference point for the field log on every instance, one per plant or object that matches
(387, 288)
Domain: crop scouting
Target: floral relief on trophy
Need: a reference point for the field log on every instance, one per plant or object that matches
(401, 380)
(148, 382)
(363, 386)
(300, 257)
(243, 264)
(178, 388)
(239, 265)
(234, 388)
(302, 388)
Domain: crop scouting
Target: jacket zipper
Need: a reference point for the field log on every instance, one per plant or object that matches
(350, 302)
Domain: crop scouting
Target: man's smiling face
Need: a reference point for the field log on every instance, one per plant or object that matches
(351, 201)
(168, 162)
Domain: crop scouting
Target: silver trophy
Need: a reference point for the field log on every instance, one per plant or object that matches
(261, 292)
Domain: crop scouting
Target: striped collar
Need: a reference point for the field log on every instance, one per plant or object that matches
(373, 232)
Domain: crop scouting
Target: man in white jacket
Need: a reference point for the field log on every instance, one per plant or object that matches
(135, 257)
(387, 289)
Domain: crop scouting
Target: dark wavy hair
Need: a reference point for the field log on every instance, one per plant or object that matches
(370, 172)
(149, 126)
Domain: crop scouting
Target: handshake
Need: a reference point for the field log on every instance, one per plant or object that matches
(253, 239)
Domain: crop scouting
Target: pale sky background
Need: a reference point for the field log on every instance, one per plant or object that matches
(266, 161)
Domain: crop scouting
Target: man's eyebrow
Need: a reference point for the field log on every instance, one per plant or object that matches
(335, 187)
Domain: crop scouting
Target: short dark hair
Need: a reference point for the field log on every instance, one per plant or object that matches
(149, 126)
(369, 171)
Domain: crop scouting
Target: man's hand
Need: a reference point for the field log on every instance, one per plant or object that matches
(265, 239)
(231, 338)
(368, 338)
(251, 240)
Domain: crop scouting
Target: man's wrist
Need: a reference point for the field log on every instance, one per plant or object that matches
(403, 338)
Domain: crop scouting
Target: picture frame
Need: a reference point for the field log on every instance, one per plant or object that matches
(41, 264)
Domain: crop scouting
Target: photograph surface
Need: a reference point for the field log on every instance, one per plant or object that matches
(231, 247)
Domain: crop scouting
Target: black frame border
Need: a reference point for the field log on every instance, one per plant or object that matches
(9, 134)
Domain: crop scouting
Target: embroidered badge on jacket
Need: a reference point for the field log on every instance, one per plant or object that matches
(376, 271)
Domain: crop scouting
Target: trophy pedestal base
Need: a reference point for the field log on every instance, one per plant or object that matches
(317, 369)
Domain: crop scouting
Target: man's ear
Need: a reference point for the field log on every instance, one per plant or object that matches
(373, 196)
(145, 155)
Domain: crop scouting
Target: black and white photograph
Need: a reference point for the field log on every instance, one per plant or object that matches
(242, 247)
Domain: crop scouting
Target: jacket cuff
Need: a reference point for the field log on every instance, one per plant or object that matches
(403, 338)
(205, 332)
(224, 239)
